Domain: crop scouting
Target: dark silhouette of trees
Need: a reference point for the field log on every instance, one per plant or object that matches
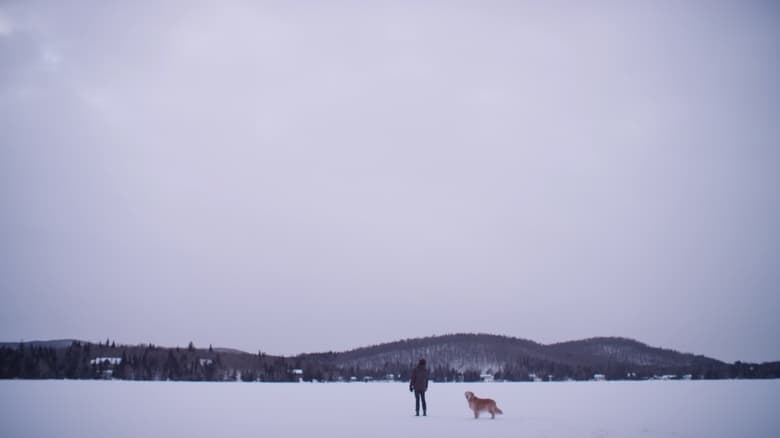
(450, 358)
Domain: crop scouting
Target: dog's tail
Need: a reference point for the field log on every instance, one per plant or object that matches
(498, 411)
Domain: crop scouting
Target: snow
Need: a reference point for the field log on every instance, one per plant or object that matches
(85, 409)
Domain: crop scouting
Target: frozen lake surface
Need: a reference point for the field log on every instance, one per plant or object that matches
(86, 409)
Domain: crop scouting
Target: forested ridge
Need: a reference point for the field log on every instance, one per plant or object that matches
(457, 357)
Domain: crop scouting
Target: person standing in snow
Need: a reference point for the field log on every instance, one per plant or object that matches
(419, 384)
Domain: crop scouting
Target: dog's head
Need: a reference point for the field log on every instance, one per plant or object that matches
(469, 395)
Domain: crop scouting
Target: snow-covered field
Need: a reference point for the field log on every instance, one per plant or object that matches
(112, 409)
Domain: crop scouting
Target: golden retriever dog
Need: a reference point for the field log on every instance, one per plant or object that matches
(478, 405)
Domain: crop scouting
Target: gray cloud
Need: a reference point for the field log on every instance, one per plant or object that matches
(306, 177)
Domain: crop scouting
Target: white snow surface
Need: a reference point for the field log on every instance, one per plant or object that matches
(65, 409)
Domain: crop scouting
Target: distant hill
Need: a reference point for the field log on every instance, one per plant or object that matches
(455, 357)
(518, 358)
(459, 351)
(56, 343)
(602, 351)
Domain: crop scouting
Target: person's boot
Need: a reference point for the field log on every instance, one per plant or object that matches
(425, 413)
(417, 414)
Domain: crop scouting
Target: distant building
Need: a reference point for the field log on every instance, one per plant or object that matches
(599, 377)
(109, 363)
(486, 377)
(297, 374)
(205, 362)
(110, 360)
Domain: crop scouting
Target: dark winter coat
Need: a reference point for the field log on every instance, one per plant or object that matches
(419, 380)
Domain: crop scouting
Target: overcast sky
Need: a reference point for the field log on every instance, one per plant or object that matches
(306, 176)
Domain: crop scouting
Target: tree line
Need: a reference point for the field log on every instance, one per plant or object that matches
(149, 362)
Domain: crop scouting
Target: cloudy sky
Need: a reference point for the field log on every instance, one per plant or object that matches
(307, 176)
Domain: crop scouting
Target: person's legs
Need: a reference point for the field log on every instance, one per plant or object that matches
(420, 395)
